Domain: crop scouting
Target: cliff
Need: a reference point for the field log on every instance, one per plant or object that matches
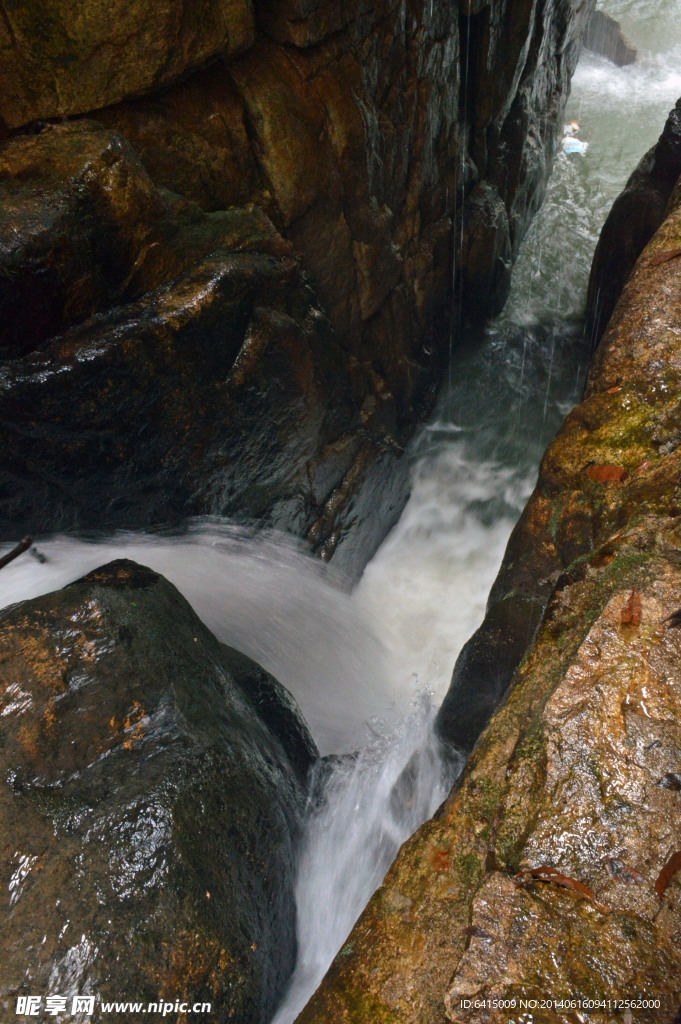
(304, 190)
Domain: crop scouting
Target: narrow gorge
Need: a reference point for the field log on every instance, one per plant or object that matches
(338, 679)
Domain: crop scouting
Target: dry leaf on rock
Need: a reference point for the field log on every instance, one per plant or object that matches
(668, 871)
(544, 873)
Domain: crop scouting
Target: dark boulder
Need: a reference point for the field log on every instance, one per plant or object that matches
(236, 298)
(84, 229)
(635, 216)
(485, 668)
(153, 783)
(489, 659)
(604, 36)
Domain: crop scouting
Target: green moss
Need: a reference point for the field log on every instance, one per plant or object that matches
(626, 567)
(511, 841)
(469, 870)
(363, 1006)
(624, 429)
(532, 745)
(489, 794)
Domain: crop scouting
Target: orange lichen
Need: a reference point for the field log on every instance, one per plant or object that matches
(441, 860)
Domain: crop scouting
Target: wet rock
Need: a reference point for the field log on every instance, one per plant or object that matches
(193, 139)
(571, 786)
(346, 144)
(212, 383)
(636, 215)
(350, 149)
(507, 81)
(604, 36)
(486, 252)
(153, 782)
(485, 667)
(547, 540)
(349, 128)
(83, 229)
(72, 58)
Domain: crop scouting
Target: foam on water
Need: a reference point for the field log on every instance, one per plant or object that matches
(371, 804)
(263, 595)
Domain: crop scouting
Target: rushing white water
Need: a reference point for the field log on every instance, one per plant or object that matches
(355, 677)
(371, 804)
(378, 654)
(263, 595)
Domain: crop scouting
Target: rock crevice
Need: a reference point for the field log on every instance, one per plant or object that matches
(546, 873)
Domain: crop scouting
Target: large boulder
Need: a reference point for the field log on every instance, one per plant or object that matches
(342, 152)
(551, 874)
(153, 783)
(83, 229)
(212, 383)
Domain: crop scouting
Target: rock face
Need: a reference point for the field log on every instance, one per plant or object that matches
(604, 35)
(543, 877)
(152, 788)
(633, 220)
(212, 383)
(58, 58)
(339, 148)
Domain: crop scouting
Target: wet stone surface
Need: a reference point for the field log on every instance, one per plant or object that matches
(151, 789)
(345, 140)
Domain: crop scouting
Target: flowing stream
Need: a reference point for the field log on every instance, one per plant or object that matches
(369, 668)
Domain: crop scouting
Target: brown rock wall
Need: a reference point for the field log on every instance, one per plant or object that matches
(357, 131)
(58, 58)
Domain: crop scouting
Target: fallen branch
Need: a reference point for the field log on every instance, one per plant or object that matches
(22, 546)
